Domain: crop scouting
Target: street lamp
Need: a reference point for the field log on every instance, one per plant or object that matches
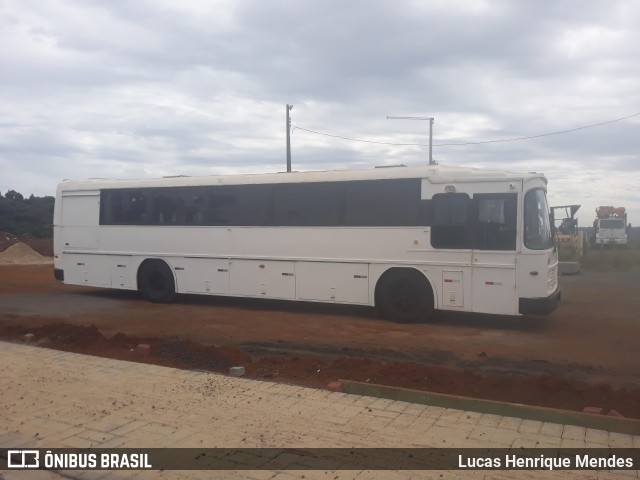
(431, 162)
(289, 108)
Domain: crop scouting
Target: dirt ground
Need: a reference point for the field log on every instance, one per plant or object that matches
(584, 354)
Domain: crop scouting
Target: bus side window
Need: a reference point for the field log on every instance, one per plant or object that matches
(107, 202)
(134, 208)
(308, 205)
(222, 206)
(452, 226)
(495, 221)
(193, 209)
(164, 207)
(385, 203)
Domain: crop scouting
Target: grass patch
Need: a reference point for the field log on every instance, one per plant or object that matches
(611, 260)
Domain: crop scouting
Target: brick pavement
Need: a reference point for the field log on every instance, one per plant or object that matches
(52, 399)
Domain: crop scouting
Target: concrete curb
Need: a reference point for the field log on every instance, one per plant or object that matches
(628, 426)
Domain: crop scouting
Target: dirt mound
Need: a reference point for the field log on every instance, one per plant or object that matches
(44, 246)
(7, 239)
(23, 254)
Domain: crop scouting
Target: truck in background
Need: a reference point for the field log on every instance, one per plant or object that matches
(610, 227)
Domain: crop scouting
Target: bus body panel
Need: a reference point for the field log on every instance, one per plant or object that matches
(453, 289)
(123, 272)
(260, 278)
(202, 275)
(537, 274)
(80, 215)
(387, 244)
(333, 282)
(494, 282)
(87, 269)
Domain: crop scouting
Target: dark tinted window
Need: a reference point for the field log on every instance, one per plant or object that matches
(308, 204)
(451, 227)
(495, 221)
(178, 206)
(124, 207)
(239, 205)
(364, 203)
(390, 203)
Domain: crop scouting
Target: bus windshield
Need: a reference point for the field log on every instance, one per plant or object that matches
(537, 226)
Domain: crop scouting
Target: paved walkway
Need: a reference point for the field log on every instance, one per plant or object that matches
(52, 399)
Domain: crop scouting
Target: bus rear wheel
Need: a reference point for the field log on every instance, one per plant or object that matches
(405, 296)
(155, 281)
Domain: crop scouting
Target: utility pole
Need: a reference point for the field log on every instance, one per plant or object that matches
(289, 108)
(431, 119)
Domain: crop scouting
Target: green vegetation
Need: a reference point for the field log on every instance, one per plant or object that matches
(33, 215)
(606, 259)
(612, 260)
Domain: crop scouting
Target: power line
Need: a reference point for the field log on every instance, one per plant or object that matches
(466, 143)
(363, 141)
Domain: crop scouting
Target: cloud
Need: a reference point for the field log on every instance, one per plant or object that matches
(122, 89)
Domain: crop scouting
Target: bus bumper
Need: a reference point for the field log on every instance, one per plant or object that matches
(58, 273)
(540, 306)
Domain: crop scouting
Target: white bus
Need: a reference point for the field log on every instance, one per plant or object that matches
(406, 240)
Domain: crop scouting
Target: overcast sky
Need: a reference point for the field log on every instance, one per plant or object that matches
(127, 89)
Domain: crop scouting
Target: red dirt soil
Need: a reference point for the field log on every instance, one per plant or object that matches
(568, 360)
(313, 371)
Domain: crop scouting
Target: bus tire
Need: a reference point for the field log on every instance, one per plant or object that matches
(405, 296)
(155, 281)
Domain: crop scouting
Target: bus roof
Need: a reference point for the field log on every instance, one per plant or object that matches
(434, 173)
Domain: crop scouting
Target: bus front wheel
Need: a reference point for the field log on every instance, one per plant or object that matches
(405, 296)
(155, 281)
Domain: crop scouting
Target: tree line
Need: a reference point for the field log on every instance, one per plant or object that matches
(32, 215)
